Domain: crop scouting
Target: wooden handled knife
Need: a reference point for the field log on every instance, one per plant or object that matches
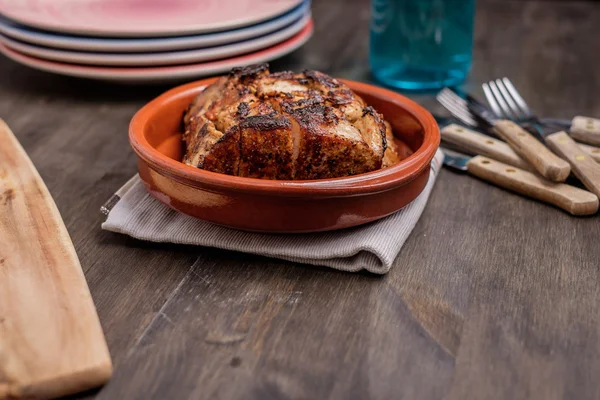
(475, 143)
(569, 198)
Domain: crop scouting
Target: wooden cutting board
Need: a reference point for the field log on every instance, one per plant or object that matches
(51, 342)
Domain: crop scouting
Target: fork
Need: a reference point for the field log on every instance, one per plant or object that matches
(506, 102)
(460, 138)
(585, 129)
(475, 142)
(548, 164)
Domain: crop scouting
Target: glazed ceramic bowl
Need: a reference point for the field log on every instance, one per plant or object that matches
(282, 206)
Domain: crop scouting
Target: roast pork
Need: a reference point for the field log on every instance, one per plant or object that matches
(284, 125)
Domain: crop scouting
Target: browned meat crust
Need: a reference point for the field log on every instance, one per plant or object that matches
(284, 126)
(392, 153)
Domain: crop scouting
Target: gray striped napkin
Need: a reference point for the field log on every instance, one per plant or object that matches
(373, 247)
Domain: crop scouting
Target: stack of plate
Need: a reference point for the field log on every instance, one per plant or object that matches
(150, 40)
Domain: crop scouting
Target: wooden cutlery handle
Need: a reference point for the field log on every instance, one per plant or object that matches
(571, 199)
(593, 151)
(478, 143)
(548, 164)
(582, 165)
(586, 130)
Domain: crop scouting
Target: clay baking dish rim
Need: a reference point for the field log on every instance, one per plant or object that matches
(370, 182)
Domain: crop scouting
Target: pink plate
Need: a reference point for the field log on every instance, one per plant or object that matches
(142, 17)
(166, 73)
(158, 58)
(56, 40)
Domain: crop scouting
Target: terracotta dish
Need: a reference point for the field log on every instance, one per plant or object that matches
(282, 206)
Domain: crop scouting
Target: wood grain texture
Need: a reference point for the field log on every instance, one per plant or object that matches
(51, 340)
(582, 165)
(493, 296)
(548, 164)
(586, 129)
(571, 199)
(479, 144)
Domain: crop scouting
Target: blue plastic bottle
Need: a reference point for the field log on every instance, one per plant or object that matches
(421, 44)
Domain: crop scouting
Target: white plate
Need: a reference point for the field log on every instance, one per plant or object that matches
(141, 18)
(163, 74)
(163, 58)
(118, 45)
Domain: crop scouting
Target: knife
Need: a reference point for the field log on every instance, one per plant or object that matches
(582, 158)
(536, 126)
(548, 164)
(485, 142)
(582, 164)
(569, 198)
(476, 143)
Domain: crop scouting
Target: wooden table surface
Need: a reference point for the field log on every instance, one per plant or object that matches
(493, 296)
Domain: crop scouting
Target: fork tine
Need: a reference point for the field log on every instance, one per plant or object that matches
(491, 100)
(460, 103)
(517, 97)
(451, 99)
(457, 106)
(452, 95)
(465, 119)
(510, 101)
(447, 98)
(500, 100)
(457, 112)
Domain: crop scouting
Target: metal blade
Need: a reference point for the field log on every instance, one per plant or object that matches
(564, 124)
(445, 121)
(455, 159)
